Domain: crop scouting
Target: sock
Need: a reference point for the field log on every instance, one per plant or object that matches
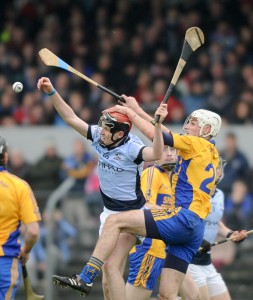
(91, 270)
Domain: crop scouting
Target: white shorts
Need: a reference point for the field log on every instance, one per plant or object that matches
(104, 215)
(208, 275)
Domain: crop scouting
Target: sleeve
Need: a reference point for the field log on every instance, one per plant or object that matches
(134, 151)
(29, 210)
(149, 184)
(93, 132)
(188, 146)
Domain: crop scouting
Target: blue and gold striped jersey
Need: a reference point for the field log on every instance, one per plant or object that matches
(17, 204)
(194, 175)
(156, 188)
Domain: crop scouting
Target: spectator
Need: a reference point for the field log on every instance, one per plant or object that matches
(196, 98)
(79, 165)
(220, 99)
(45, 175)
(237, 164)
(239, 206)
(18, 165)
(242, 113)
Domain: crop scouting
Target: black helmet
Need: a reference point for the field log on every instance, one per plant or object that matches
(116, 122)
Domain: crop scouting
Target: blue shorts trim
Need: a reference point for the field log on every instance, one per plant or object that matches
(144, 269)
(10, 269)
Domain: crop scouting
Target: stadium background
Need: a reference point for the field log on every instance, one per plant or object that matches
(132, 47)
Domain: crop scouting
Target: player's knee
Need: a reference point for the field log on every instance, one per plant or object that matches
(109, 267)
(112, 220)
(167, 295)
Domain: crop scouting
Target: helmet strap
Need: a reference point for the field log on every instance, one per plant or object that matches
(114, 141)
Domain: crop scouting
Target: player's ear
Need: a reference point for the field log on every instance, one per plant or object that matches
(120, 134)
(206, 129)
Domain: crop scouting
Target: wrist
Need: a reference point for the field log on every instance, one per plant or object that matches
(132, 116)
(138, 110)
(229, 234)
(52, 93)
(26, 250)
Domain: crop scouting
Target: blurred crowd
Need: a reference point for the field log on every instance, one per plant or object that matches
(132, 47)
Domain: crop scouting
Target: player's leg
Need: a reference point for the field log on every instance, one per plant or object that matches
(199, 275)
(189, 290)
(103, 216)
(216, 285)
(106, 291)
(204, 292)
(223, 296)
(131, 221)
(183, 239)
(114, 266)
(105, 286)
(137, 292)
(171, 281)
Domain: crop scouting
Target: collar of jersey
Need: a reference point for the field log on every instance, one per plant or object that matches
(2, 169)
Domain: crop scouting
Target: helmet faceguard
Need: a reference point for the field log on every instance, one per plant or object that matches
(221, 166)
(116, 122)
(169, 166)
(3, 150)
(206, 117)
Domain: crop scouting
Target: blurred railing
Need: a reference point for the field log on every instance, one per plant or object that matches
(52, 202)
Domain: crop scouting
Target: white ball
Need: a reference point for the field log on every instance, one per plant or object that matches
(17, 87)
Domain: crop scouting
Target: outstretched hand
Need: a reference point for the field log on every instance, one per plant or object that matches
(130, 102)
(44, 84)
(162, 112)
(118, 108)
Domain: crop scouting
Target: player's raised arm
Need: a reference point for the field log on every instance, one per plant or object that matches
(155, 152)
(64, 110)
(137, 115)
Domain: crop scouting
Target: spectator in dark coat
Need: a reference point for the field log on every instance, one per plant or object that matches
(237, 166)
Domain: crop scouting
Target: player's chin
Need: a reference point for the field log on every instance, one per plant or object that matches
(102, 143)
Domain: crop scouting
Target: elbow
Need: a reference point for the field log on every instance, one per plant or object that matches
(33, 231)
(157, 156)
(150, 135)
